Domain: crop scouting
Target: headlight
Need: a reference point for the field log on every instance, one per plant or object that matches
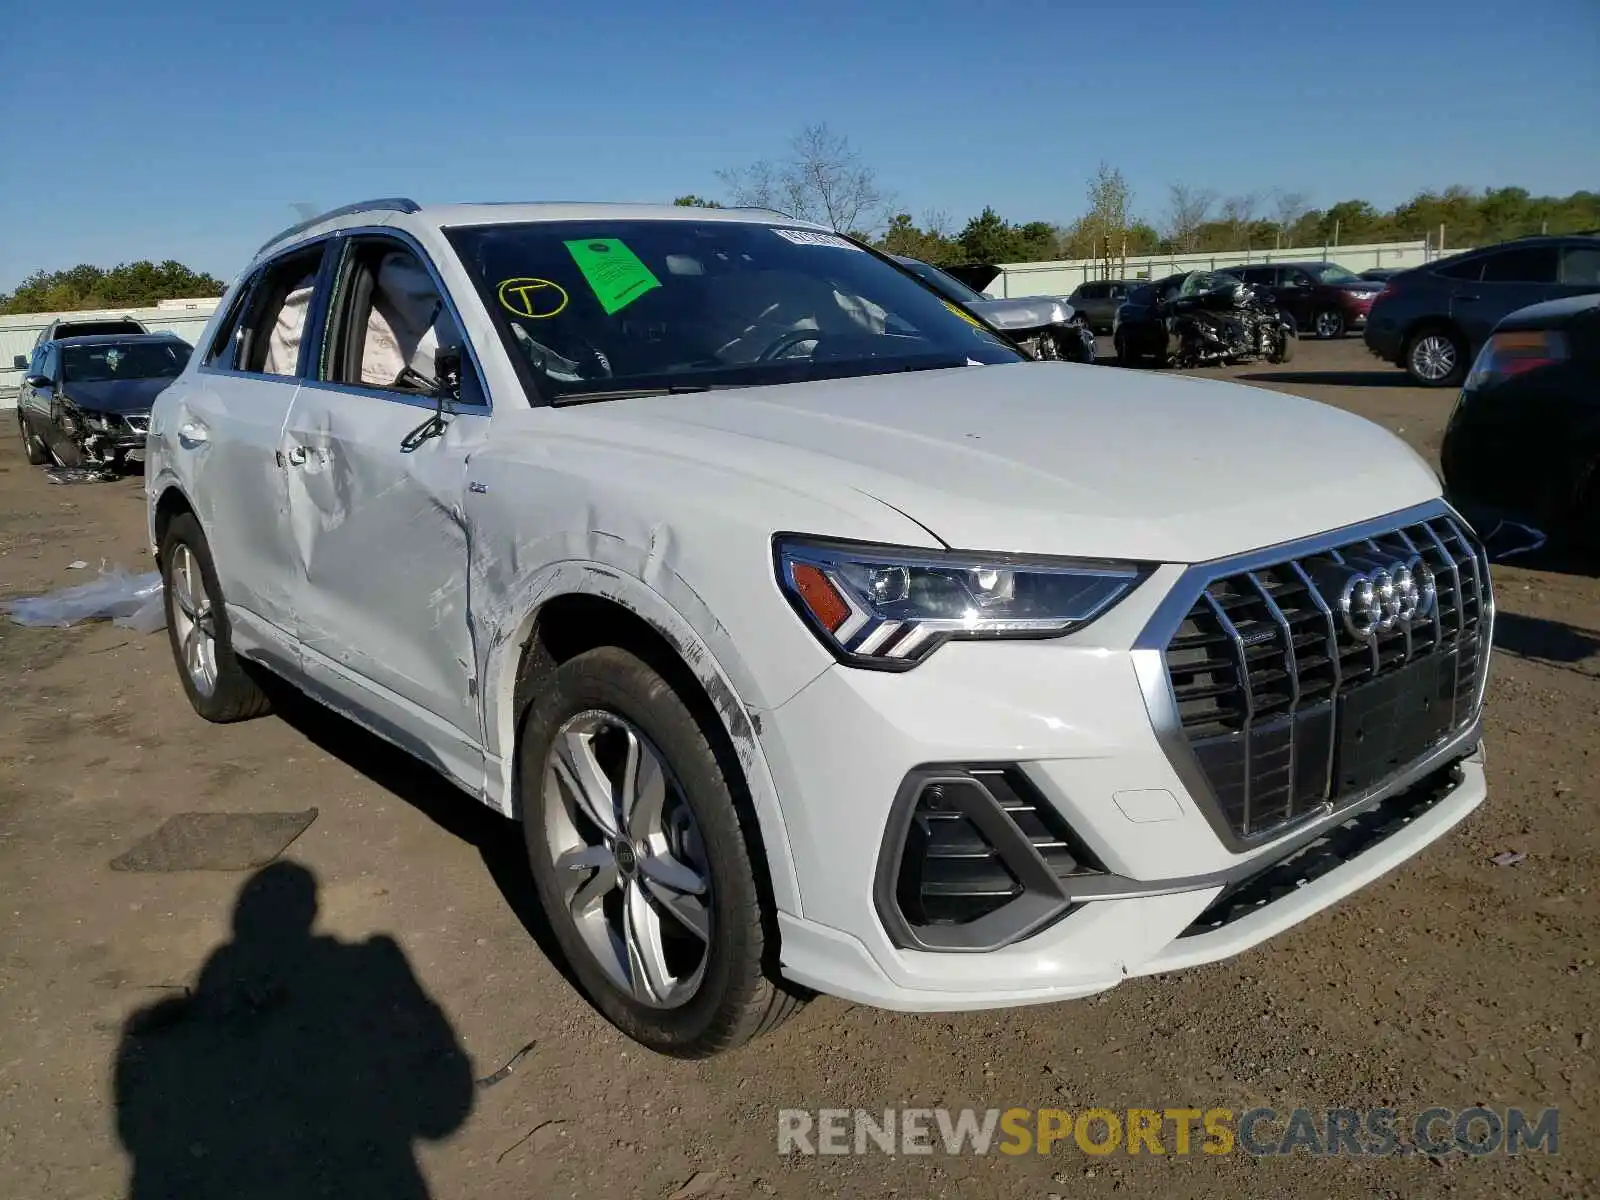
(889, 608)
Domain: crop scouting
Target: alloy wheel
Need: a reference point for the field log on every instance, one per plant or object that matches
(1433, 357)
(193, 619)
(630, 862)
(1329, 324)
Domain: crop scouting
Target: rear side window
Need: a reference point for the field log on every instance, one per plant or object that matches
(1527, 264)
(1471, 268)
(1581, 265)
(1093, 291)
(220, 352)
(274, 325)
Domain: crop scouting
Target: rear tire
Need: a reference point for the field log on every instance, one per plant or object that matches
(213, 677)
(1436, 357)
(38, 454)
(719, 987)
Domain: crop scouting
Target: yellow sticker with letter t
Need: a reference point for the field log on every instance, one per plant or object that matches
(964, 315)
(536, 299)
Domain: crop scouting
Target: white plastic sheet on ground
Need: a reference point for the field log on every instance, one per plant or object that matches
(130, 601)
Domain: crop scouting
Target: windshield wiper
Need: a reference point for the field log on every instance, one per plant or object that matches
(681, 389)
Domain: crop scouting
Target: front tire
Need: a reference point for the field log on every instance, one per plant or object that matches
(642, 864)
(38, 454)
(1328, 323)
(1436, 357)
(213, 677)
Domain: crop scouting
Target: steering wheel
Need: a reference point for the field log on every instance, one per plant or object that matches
(786, 341)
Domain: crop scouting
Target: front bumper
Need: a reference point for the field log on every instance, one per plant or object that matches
(1075, 716)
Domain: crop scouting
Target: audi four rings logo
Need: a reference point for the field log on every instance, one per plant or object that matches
(1382, 599)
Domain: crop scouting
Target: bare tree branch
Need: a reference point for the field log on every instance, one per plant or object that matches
(823, 179)
(1188, 208)
(1287, 209)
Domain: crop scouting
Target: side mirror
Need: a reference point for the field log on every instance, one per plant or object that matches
(38, 382)
(19, 363)
(447, 369)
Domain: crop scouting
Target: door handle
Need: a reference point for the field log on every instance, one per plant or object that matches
(1466, 297)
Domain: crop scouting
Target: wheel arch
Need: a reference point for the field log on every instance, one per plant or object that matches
(172, 502)
(574, 606)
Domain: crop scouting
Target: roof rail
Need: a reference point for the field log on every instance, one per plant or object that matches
(385, 204)
(1564, 233)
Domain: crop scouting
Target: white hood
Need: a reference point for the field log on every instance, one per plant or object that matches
(1055, 458)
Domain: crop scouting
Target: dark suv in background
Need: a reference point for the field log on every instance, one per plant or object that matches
(1097, 301)
(1433, 319)
(1324, 299)
(70, 327)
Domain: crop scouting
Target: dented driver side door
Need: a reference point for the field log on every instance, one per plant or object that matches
(376, 479)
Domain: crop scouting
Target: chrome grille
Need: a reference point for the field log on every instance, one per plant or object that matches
(1287, 712)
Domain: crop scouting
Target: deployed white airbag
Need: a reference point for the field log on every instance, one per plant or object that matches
(283, 344)
(407, 325)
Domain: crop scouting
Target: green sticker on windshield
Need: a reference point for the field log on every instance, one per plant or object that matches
(613, 271)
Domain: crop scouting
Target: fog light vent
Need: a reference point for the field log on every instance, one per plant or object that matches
(950, 873)
(975, 858)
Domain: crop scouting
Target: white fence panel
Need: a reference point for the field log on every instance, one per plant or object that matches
(1059, 278)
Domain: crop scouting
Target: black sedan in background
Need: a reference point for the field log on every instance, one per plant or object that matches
(1140, 333)
(1524, 441)
(85, 401)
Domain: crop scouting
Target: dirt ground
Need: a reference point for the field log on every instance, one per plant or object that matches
(1451, 981)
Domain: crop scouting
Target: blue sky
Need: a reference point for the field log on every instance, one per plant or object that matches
(184, 130)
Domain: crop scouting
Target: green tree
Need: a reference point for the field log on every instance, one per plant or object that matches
(904, 237)
(127, 285)
(693, 201)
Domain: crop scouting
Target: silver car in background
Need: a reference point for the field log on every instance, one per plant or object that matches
(1046, 326)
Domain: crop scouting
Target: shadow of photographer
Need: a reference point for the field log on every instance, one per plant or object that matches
(299, 1065)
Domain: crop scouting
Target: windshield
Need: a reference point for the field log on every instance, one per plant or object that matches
(1205, 281)
(1332, 273)
(602, 308)
(123, 360)
(947, 285)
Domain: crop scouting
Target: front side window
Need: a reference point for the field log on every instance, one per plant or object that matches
(389, 321)
(1581, 265)
(598, 308)
(1526, 264)
(105, 362)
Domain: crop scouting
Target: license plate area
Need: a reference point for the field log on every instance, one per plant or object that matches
(1387, 724)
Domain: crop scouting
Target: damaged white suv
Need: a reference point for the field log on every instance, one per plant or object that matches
(817, 639)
